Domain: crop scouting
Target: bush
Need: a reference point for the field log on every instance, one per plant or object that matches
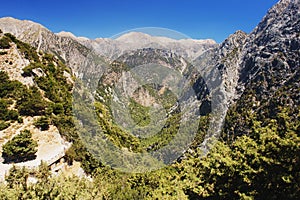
(4, 43)
(9, 88)
(27, 71)
(31, 103)
(4, 125)
(27, 50)
(20, 148)
(5, 113)
(20, 120)
(58, 108)
(17, 177)
(42, 123)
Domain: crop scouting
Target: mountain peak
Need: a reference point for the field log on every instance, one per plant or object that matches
(66, 34)
(133, 37)
(18, 22)
(133, 34)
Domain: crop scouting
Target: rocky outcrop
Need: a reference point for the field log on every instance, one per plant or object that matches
(272, 50)
(269, 69)
(219, 66)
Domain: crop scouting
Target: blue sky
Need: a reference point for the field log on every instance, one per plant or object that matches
(198, 19)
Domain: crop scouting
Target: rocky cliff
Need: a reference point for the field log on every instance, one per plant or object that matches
(268, 72)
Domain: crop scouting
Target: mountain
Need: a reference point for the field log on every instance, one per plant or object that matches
(80, 53)
(66, 48)
(249, 82)
(113, 48)
(219, 68)
(268, 73)
(262, 64)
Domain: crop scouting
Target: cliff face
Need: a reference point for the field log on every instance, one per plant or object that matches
(273, 47)
(261, 68)
(268, 73)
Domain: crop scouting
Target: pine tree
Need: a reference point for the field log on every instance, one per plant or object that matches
(20, 148)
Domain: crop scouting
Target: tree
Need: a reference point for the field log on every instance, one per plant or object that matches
(4, 43)
(20, 148)
(264, 165)
(42, 123)
(31, 103)
(17, 177)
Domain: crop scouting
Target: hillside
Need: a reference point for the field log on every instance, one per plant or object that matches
(151, 121)
(28, 102)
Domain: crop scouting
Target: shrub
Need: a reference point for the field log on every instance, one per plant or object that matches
(4, 125)
(31, 103)
(8, 87)
(4, 43)
(20, 148)
(42, 123)
(58, 108)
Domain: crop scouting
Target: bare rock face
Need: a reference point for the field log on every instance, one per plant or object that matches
(269, 69)
(222, 64)
(272, 51)
(257, 72)
(20, 64)
(13, 63)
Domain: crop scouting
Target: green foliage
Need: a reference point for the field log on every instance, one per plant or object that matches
(4, 125)
(5, 113)
(42, 123)
(264, 166)
(9, 88)
(118, 136)
(27, 50)
(258, 160)
(58, 187)
(17, 178)
(31, 103)
(58, 108)
(139, 113)
(20, 148)
(27, 71)
(5, 42)
(42, 173)
(66, 126)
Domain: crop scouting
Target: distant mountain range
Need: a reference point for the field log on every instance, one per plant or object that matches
(112, 48)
